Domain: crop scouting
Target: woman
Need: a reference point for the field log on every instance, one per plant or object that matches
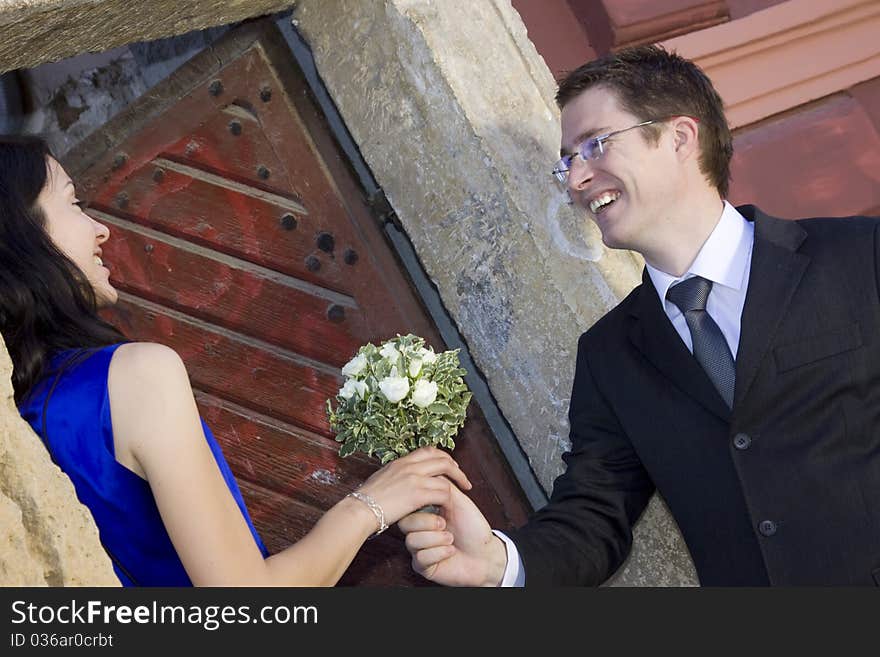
(120, 418)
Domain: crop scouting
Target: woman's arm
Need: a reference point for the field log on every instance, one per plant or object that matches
(158, 434)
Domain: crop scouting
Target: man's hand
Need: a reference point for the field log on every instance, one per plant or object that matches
(457, 548)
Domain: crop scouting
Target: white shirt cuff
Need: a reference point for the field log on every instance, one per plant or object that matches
(514, 573)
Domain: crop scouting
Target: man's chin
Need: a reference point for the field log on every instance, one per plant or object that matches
(613, 241)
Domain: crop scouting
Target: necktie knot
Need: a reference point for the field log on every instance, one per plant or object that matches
(691, 294)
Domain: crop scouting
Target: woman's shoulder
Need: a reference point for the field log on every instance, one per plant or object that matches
(150, 395)
(143, 365)
(147, 356)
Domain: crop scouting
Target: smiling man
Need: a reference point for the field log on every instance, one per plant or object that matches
(741, 379)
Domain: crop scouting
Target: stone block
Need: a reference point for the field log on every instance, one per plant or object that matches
(453, 110)
(47, 538)
(38, 31)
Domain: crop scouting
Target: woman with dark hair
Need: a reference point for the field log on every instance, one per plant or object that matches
(119, 417)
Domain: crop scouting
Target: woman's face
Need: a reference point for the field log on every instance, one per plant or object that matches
(74, 232)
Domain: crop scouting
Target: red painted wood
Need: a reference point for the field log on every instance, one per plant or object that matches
(206, 266)
(297, 176)
(282, 457)
(821, 160)
(238, 154)
(297, 463)
(382, 561)
(232, 294)
(221, 218)
(254, 375)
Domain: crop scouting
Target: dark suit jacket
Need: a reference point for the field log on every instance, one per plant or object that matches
(783, 490)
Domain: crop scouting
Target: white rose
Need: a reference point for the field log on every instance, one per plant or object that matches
(355, 366)
(424, 393)
(389, 352)
(350, 387)
(361, 388)
(394, 387)
(427, 355)
(415, 366)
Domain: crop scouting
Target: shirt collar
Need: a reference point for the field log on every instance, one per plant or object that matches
(722, 259)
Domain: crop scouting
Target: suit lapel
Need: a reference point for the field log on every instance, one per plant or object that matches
(653, 334)
(776, 271)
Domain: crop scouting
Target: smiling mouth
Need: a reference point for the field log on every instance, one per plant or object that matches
(601, 203)
(99, 261)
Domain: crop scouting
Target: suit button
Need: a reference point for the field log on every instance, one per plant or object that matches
(767, 527)
(742, 441)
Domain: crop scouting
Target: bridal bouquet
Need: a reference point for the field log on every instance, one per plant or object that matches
(398, 397)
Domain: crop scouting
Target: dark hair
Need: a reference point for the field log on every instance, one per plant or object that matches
(46, 303)
(652, 83)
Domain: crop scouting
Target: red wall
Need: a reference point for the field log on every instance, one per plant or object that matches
(818, 159)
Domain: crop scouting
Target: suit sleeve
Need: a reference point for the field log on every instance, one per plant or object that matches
(584, 533)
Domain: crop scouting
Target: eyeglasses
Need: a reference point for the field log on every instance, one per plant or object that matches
(589, 149)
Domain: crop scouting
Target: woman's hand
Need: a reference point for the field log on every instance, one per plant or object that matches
(414, 481)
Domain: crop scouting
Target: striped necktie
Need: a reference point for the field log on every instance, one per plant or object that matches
(710, 347)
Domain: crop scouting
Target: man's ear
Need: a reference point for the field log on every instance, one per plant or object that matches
(685, 135)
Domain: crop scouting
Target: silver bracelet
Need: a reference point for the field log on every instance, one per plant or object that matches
(374, 507)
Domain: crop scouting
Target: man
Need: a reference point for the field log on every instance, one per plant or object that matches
(741, 378)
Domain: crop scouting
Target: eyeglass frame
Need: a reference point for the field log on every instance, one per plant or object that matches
(561, 174)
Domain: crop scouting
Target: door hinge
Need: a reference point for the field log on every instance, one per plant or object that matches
(382, 210)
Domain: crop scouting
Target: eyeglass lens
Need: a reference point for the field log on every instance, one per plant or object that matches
(589, 149)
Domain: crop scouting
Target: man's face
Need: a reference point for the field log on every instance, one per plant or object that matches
(637, 176)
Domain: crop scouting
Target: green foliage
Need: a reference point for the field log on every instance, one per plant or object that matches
(389, 405)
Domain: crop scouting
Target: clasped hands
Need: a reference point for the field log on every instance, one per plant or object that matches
(455, 547)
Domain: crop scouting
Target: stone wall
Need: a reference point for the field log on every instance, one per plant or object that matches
(38, 31)
(47, 538)
(453, 110)
(70, 99)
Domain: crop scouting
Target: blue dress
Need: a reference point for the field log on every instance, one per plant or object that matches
(81, 443)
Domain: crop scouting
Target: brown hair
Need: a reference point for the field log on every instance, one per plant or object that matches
(652, 83)
(46, 303)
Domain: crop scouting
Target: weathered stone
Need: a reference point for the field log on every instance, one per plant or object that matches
(18, 567)
(453, 110)
(84, 100)
(47, 536)
(38, 31)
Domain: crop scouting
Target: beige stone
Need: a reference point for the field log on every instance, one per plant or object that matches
(453, 110)
(18, 567)
(39, 31)
(47, 538)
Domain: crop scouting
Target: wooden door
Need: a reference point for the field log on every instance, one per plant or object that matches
(240, 238)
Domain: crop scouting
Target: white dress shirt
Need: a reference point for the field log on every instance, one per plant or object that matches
(726, 260)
